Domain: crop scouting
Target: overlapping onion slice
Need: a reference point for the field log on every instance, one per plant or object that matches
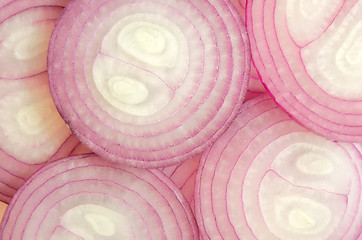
(86, 197)
(269, 178)
(183, 175)
(255, 84)
(31, 130)
(148, 83)
(308, 54)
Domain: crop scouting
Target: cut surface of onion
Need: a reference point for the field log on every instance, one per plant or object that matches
(183, 175)
(148, 83)
(308, 54)
(255, 84)
(270, 178)
(31, 130)
(86, 197)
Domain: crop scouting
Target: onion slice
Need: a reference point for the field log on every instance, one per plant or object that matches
(31, 129)
(148, 83)
(184, 175)
(255, 84)
(269, 178)
(308, 54)
(86, 197)
(13, 173)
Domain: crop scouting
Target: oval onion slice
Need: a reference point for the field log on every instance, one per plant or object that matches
(308, 54)
(31, 129)
(86, 197)
(269, 178)
(148, 83)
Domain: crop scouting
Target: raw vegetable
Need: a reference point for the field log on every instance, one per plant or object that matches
(13, 173)
(31, 130)
(269, 178)
(148, 83)
(183, 175)
(308, 54)
(86, 197)
(255, 85)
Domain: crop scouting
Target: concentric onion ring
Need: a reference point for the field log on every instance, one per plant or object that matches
(255, 85)
(269, 178)
(148, 83)
(86, 197)
(308, 54)
(183, 175)
(31, 131)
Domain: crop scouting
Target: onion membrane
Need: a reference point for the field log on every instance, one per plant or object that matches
(31, 130)
(148, 83)
(86, 197)
(308, 54)
(270, 178)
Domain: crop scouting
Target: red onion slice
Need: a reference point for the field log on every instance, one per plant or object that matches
(25, 31)
(308, 56)
(148, 83)
(13, 173)
(85, 197)
(269, 178)
(31, 130)
(183, 175)
(255, 85)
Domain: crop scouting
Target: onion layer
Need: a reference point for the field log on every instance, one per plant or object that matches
(255, 84)
(86, 197)
(148, 83)
(308, 54)
(31, 130)
(269, 178)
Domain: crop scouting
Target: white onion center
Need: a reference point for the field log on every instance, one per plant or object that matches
(149, 58)
(31, 127)
(127, 90)
(302, 214)
(24, 41)
(334, 61)
(36, 117)
(90, 222)
(314, 164)
(150, 43)
(304, 181)
(31, 44)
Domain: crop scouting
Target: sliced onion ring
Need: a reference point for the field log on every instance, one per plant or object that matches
(31, 131)
(86, 197)
(308, 55)
(148, 83)
(269, 178)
